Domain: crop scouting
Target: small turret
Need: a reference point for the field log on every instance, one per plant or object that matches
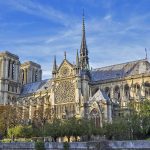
(77, 60)
(77, 65)
(54, 67)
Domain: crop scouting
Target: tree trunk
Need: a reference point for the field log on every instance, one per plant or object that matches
(76, 138)
(55, 139)
(68, 138)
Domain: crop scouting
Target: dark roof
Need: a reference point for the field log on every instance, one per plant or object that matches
(120, 70)
(36, 87)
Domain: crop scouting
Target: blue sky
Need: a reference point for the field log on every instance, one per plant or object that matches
(117, 30)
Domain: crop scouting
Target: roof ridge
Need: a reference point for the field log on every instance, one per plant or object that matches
(37, 82)
(119, 64)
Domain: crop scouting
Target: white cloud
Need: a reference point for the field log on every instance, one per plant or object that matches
(38, 9)
(108, 17)
(109, 42)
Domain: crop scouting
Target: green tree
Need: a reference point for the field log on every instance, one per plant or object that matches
(72, 127)
(20, 132)
(53, 129)
(144, 114)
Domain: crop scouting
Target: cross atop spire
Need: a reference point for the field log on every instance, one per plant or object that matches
(84, 60)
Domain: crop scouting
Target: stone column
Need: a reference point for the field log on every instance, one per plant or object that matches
(109, 112)
(25, 76)
(142, 88)
(30, 75)
(121, 95)
(10, 70)
(6, 68)
(23, 112)
(40, 75)
(112, 93)
(3, 67)
(16, 71)
(32, 109)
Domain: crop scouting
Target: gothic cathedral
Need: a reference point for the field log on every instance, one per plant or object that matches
(74, 89)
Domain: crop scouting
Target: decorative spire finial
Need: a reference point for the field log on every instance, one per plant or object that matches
(83, 24)
(65, 54)
(145, 53)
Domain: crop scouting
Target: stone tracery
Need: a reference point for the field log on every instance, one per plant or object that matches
(65, 92)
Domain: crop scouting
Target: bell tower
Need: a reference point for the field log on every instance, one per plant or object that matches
(9, 77)
(30, 72)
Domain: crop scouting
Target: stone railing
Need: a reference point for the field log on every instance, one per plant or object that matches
(99, 145)
(17, 146)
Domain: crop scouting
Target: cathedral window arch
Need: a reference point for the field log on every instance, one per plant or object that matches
(13, 99)
(13, 70)
(9, 65)
(117, 93)
(127, 91)
(36, 76)
(9, 99)
(12, 88)
(95, 117)
(107, 91)
(137, 89)
(15, 89)
(147, 89)
(22, 76)
(8, 87)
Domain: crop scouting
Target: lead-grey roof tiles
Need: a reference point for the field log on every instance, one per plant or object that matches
(118, 71)
(36, 87)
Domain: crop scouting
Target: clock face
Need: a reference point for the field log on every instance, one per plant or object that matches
(64, 71)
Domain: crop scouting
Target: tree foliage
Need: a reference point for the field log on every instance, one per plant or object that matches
(20, 132)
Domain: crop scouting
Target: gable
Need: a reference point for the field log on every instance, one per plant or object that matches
(65, 69)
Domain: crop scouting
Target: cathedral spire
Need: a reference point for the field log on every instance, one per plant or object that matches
(64, 54)
(54, 66)
(84, 60)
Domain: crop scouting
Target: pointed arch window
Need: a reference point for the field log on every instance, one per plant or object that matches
(117, 93)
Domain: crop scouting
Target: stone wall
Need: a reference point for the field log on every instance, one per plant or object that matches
(137, 144)
(17, 146)
(101, 145)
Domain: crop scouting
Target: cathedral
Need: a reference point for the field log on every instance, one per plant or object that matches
(74, 89)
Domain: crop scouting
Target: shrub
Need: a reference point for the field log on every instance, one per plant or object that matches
(39, 145)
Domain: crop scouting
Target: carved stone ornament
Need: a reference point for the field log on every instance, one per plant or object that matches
(64, 71)
(65, 92)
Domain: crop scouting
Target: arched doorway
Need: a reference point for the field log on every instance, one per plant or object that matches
(95, 117)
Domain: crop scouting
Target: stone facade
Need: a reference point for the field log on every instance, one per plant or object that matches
(74, 89)
(9, 77)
